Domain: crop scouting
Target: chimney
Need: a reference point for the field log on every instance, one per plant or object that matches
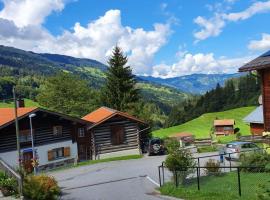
(20, 103)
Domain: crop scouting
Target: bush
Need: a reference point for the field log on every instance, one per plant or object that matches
(8, 185)
(180, 162)
(251, 160)
(212, 167)
(263, 192)
(171, 145)
(41, 187)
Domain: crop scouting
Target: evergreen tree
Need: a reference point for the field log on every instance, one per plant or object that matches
(119, 91)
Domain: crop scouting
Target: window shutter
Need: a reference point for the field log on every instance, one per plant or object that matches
(66, 151)
(50, 155)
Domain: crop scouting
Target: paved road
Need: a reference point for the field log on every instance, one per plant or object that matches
(117, 180)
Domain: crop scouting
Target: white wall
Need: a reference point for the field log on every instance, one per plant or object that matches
(42, 152)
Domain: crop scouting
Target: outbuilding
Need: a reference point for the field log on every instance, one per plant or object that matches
(224, 126)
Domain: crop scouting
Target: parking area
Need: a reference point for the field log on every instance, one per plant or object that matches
(117, 180)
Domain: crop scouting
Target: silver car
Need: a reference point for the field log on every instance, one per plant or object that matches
(234, 150)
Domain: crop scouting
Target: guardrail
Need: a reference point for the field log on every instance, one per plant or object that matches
(12, 173)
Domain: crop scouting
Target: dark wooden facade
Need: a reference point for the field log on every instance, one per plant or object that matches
(102, 136)
(265, 77)
(256, 129)
(224, 130)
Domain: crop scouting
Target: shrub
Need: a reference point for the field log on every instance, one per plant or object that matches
(8, 185)
(41, 187)
(171, 145)
(212, 167)
(252, 160)
(179, 162)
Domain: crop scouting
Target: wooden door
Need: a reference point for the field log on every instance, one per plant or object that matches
(27, 161)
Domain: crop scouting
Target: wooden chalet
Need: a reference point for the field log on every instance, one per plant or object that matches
(113, 133)
(262, 66)
(255, 119)
(55, 137)
(224, 126)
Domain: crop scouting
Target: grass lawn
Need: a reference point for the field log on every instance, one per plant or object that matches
(91, 162)
(201, 126)
(27, 102)
(219, 187)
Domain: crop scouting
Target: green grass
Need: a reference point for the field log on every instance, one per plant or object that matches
(204, 149)
(223, 187)
(92, 162)
(28, 103)
(201, 126)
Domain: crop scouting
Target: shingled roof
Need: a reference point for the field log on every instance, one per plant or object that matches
(261, 62)
(224, 122)
(256, 116)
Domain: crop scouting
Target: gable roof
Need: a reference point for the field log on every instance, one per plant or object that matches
(7, 115)
(256, 116)
(181, 135)
(103, 113)
(224, 122)
(258, 63)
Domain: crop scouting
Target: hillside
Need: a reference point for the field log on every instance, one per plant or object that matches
(27, 102)
(194, 83)
(22, 65)
(201, 126)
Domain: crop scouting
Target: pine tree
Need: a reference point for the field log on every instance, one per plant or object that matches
(119, 92)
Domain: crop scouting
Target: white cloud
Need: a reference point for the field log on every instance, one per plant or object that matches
(213, 27)
(199, 63)
(263, 44)
(29, 12)
(95, 40)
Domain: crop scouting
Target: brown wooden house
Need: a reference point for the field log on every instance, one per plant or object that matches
(55, 137)
(224, 126)
(262, 66)
(113, 133)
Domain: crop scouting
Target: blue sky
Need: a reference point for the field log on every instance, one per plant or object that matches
(162, 38)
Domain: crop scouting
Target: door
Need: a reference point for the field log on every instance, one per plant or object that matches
(27, 161)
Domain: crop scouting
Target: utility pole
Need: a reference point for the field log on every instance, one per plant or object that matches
(17, 126)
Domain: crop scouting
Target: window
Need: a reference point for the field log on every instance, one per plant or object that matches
(57, 130)
(58, 153)
(117, 135)
(81, 132)
(25, 136)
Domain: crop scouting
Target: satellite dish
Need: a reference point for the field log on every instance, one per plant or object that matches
(260, 99)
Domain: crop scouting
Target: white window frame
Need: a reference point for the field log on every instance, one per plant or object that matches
(81, 132)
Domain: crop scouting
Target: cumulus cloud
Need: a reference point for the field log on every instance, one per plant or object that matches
(199, 63)
(262, 44)
(21, 27)
(213, 26)
(29, 12)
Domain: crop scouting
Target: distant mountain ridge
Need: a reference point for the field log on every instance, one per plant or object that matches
(194, 83)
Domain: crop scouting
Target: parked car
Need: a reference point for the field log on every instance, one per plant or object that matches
(156, 147)
(234, 150)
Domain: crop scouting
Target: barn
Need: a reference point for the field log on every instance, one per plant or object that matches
(255, 119)
(261, 64)
(224, 126)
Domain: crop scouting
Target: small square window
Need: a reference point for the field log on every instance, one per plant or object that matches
(57, 130)
(81, 132)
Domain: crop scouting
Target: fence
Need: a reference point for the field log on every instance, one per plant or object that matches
(228, 178)
(241, 181)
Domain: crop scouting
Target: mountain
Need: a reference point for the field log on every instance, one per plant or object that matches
(194, 83)
(19, 64)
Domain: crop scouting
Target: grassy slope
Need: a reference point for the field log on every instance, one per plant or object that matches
(28, 103)
(201, 126)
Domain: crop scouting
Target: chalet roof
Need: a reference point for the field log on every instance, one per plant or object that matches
(7, 115)
(104, 113)
(256, 116)
(224, 122)
(181, 135)
(258, 63)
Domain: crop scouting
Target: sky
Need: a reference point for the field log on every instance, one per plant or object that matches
(162, 38)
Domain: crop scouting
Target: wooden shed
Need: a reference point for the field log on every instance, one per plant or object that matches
(262, 66)
(224, 126)
(255, 120)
